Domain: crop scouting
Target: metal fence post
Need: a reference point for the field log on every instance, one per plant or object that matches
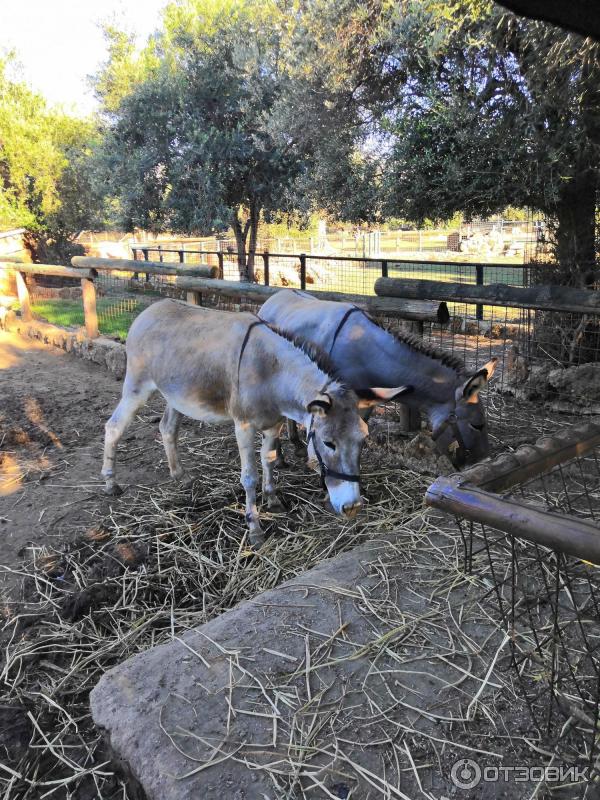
(303, 271)
(182, 256)
(221, 265)
(384, 269)
(479, 282)
(146, 258)
(265, 256)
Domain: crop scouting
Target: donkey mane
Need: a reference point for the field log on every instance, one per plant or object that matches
(316, 354)
(416, 343)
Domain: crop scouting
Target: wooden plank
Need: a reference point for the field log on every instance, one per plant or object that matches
(55, 270)
(546, 298)
(568, 535)
(88, 292)
(393, 307)
(149, 267)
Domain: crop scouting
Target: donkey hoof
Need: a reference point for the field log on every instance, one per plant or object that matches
(113, 490)
(183, 479)
(275, 505)
(256, 538)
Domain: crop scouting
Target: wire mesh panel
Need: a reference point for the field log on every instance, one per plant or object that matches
(548, 604)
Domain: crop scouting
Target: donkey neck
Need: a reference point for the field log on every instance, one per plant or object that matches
(298, 383)
(396, 362)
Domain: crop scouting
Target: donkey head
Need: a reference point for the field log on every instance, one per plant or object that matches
(336, 435)
(463, 433)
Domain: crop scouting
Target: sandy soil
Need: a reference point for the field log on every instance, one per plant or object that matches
(52, 413)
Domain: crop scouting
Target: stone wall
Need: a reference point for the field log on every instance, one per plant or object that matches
(105, 352)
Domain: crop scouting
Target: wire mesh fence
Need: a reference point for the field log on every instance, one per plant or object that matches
(548, 603)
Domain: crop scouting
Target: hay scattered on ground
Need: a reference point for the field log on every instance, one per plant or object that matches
(166, 559)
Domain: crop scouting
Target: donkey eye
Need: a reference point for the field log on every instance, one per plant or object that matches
(330, 445)
(479, 427)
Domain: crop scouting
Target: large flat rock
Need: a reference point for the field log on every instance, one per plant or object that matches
(342, 682)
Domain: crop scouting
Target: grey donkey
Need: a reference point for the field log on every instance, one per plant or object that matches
(217, 366)
(365, 354)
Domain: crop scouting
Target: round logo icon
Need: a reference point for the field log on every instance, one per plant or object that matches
(465, 773)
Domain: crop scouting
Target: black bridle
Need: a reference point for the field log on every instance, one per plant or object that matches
(451, 421)
(327, 472)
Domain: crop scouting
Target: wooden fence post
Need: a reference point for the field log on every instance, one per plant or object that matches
(88, 293)
(195, 298)
(410, 418)
(23, 294)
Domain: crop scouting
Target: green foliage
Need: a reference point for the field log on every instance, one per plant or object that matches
(455, 107)
(44, 183)
(191, 147)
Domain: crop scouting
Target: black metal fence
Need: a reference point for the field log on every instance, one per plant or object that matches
(341, 273)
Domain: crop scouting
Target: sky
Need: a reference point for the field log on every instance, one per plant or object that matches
(58, 43)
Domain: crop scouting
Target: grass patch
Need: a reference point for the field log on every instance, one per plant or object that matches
(114, 319)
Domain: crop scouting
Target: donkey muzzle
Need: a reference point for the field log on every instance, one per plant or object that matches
(350, 510)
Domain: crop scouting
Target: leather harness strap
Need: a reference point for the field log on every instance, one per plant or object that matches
(245, 342)
(452, 422)
(341, 325)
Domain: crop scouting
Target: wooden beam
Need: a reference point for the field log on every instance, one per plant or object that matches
(546, 298)
(568, 535)
(531, 460)
(55, 270)
(24, 299)
(12, 260)
(393, 307)
(151, 267)
(88, 293)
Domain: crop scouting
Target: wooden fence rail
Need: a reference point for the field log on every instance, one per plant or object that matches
(417, 310)
(545, 298)
(472, 494)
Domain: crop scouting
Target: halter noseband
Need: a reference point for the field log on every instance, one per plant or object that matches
(327, 472)
(451, 421)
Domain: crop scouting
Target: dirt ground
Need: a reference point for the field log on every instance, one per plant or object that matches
(53, 407)
(52, 413)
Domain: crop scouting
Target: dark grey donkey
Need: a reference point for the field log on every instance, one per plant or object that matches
(364, 354)
(217, 366)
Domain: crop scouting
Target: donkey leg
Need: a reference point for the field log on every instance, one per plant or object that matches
(294, 438)
(169, 431)
(244, 434)
(280, 461)
(268, 458)
(134, 395)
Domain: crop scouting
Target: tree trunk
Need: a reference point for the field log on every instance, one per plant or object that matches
(254, 218)
(576, 231)
(240, 238)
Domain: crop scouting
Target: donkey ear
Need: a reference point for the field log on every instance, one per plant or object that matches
(320, 406)
(476, 382)
(376, 395)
